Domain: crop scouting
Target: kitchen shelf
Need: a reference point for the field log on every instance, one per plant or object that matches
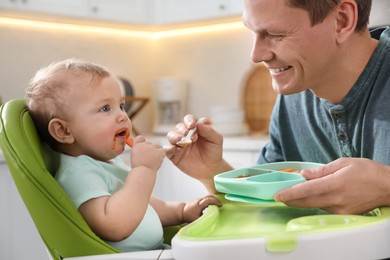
(151, 15)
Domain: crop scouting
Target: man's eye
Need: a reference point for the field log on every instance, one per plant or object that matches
(106, 108)
(275, 35)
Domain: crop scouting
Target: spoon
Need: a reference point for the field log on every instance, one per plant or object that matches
(186, 140)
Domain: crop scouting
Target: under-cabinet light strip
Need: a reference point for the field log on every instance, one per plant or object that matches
(122, 32)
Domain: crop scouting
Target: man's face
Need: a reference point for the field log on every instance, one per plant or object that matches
(296, 53)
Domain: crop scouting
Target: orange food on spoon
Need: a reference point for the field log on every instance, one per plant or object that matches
(129, 141)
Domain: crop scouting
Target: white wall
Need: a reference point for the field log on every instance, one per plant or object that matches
(213, 63)
(380, 13)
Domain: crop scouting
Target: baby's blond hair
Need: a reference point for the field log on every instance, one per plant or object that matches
(47, 89)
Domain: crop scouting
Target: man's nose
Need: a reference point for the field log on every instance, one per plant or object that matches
(261, 50)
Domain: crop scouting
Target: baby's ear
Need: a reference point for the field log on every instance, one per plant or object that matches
(59, 130)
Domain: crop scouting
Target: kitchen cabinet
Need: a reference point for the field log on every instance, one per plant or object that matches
(145, 12)
(174, 185)
(176, 11)
(77, 8)
(129, 11)
(17, 229)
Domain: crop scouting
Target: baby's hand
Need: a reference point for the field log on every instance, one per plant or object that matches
(194, 209)
(145, 153)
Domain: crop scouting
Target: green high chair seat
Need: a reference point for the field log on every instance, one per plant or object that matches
(60, 225)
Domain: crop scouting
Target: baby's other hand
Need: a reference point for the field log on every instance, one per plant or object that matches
(194, 209)
(145, 153)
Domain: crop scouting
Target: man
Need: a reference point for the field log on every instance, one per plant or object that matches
(334, 86)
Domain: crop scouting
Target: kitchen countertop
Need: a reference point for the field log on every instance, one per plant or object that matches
(246, 142)
(231, 143)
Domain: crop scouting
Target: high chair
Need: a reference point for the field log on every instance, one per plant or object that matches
(62, 228)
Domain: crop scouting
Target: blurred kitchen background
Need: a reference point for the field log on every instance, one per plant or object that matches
(206, 46)
(201, 42)
(197, 50)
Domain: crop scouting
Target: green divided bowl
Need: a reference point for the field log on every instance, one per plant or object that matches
(263, 181)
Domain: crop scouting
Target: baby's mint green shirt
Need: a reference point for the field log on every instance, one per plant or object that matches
(84, 178)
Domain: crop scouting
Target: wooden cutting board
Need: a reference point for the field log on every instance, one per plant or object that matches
(259, 98)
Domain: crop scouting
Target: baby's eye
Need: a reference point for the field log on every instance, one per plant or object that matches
(105, 108)
(122, 106)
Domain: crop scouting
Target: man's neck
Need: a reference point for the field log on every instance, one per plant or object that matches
(352, 58)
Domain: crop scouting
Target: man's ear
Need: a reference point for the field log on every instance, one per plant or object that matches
(347, 16)
(59, 130)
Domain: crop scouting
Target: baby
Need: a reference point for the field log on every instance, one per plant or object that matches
(78, 109)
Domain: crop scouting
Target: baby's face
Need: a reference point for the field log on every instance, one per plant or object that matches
(96, 116)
